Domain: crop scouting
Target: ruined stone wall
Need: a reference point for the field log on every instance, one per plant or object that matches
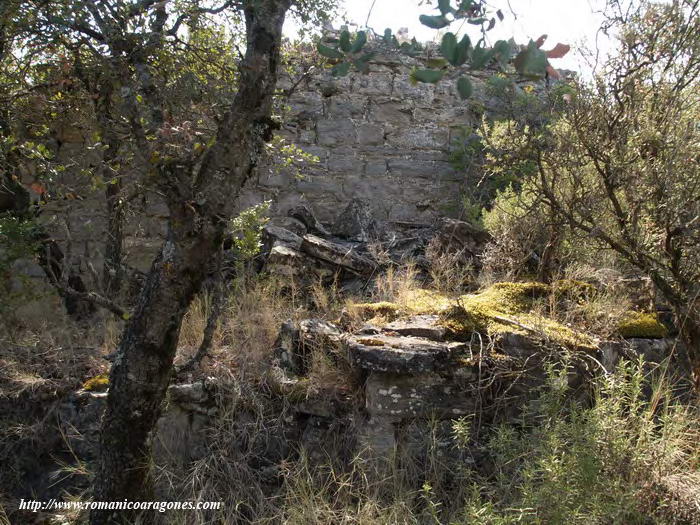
(378, 137)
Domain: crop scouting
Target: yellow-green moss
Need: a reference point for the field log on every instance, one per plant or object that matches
(506, 307)
(640, 324)
(413, 302)
(502, 307)
(97, 384)
(423, 301)
(382, 308)
(572, 289)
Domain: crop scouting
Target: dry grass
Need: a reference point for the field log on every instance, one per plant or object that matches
(448, 271)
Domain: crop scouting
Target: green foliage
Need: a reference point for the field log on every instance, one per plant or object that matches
(430, 76)
(17, 242)
(581, 464)
(98, 383)
(531, 62)
(455, 52)
(347, 51)
(640, 324)
(246, 230)
(464, 87)
(290, 157)
(434, 22)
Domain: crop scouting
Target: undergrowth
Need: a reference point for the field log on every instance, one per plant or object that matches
(563, 462)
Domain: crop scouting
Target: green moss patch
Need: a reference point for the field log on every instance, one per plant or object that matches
(640, 324)
(98, 383)
(500, 308)
(507, 308)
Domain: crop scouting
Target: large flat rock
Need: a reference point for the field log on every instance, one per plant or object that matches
(425, 326)
(400, 354)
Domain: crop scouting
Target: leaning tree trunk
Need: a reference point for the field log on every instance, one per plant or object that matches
(200, 206)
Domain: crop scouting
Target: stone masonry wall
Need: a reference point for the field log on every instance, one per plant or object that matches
(378, 138)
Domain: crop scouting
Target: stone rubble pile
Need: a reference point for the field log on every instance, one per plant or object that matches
(356, 246)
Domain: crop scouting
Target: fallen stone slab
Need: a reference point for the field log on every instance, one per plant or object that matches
(288, 262)
(401, 354)
(340, 254)
(276, 235)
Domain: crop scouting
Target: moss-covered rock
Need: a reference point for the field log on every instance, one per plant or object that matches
(502, 307)
(508, 308)
(640, 324)
(99, 383)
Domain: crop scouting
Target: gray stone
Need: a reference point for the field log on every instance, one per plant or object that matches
(343, 106)
(334, 132)
(396, 113)
(274, 234)
(424, 326)
(370, 134)
(343, 255)
(419, 168)
(426, 137)
(306, 216)
(401, 355)
(417, 395)
(356, 223)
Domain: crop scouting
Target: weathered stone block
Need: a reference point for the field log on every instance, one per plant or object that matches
(370, 134)
(375, 84)
(334, 132)
(425, 169)
(346, 106)
(396, 113)
(418, 138)
(422, 395)
(401, 355)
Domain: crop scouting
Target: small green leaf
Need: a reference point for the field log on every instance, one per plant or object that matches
(340, 70)
(359, 43)
(430, 76)
(345, 40)
(448, 47)
(462, 51)
(464, 87)
(444, 6)
(436, 63)
(481, 57)
(328, 52)
(531, 62)
(434, 22)
(362, 63)
(503, 51)
(477, 21)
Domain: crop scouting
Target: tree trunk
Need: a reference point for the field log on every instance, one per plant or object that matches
(113, 269)
(200, 206)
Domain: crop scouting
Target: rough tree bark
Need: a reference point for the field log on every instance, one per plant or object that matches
(200, 203)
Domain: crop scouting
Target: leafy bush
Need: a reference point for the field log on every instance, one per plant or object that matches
(17, 241)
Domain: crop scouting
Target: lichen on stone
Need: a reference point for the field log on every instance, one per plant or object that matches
(98, 383)
(641, 324)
